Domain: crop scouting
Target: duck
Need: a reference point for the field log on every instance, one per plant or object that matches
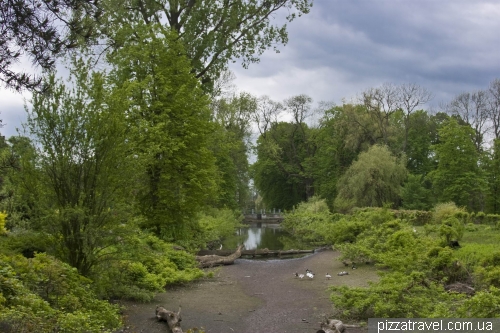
(343, 273)
(354, 266)
(300, 276)
(328, 276)
(309, 273)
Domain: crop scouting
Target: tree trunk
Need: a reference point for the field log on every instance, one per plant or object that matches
(214, 260)
(173, 319)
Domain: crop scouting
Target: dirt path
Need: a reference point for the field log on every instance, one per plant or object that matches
(253, 297)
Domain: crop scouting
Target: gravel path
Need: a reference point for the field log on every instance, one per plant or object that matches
(253, 296)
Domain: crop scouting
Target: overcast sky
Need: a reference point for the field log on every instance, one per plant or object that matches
(344, 47)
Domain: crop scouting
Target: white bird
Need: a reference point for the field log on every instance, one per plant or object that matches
(300, 276)
(328, 276)
(310, 275)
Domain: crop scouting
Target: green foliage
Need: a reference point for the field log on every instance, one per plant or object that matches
(414, 195)
(414, 217)
(396, 295)
(213, 33)
(457, 177)
(450, 220)
(310, 221)
(229, 144)
(373, 180)
(281, 172)
(45, 295)
(484, 304)
(169, 128)
(3, 216)
(217, 224)
(78, 174)
(146, 265)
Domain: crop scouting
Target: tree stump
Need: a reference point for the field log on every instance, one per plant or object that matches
(173, 319)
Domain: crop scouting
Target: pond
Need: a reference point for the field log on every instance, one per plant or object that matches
(259, 236)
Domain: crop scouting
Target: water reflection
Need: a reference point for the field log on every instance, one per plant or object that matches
(260, 236)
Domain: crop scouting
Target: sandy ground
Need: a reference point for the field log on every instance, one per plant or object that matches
(253, 296)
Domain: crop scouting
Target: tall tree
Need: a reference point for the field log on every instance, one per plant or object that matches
(80, 176)
(458, 177)
(41, 30)
(170, 125)
(212, 32)
(373, 180)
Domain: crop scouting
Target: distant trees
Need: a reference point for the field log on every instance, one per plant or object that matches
(285, 151)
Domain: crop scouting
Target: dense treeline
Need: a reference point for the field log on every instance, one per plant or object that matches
(381, 149)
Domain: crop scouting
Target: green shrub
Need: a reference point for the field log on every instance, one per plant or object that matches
(147, 265)
(311, 222)
(43, 294)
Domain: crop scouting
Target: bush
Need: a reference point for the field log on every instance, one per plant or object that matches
(146, 266)
(311, 222)
(43, 294)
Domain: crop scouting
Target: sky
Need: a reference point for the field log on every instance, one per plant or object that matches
(344, 47)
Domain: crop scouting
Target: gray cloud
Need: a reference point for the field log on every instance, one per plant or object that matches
(344, 47)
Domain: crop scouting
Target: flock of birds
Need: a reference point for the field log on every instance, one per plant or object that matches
(309, 274)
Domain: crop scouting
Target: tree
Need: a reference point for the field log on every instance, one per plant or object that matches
(279, 173)
(493, 174)
(212, 32)
(285, 152)
(339, 140)
(373, 180)
(410, 97)
(494, 106)
(41, 30)
(457, 177)
(170, 125)
(230, 144)
(381, 103)
(80, 174)
(472, 109)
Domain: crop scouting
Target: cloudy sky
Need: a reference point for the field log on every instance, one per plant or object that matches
(344, 47)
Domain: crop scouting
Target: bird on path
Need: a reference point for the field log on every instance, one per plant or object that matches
(300, 276)
(309, 274)
(328, 276)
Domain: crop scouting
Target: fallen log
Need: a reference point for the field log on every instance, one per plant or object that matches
(257, 252)
(173, 319)
(334, 326)
(215, 260)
